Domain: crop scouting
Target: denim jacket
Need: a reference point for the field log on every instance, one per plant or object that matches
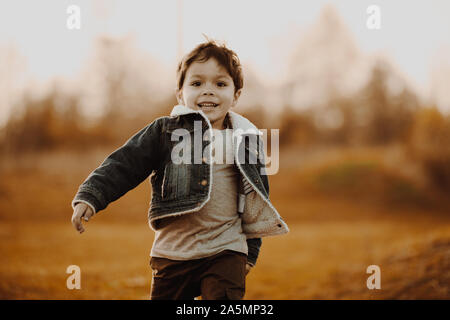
(186, 187)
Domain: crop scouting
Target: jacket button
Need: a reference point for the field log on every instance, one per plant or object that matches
(279, 225)
(204, 182)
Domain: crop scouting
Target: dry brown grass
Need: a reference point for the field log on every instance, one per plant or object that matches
(333, 239)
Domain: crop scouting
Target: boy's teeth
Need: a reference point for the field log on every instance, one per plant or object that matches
(207, 104)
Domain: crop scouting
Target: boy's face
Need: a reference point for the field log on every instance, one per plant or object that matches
(208, 87)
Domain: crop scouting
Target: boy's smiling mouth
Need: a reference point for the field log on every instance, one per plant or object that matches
(207, 105)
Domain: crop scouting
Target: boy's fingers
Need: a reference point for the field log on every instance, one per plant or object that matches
(76, 217)
(76, 222)
(88, 214)
(248, 267)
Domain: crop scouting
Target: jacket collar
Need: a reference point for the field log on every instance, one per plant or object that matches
(238, 122)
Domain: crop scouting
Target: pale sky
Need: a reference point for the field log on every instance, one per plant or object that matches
(413, 33)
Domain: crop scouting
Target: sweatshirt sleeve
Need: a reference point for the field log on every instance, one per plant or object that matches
(122, 170)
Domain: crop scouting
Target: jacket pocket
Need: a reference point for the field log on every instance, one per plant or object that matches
(176, 181)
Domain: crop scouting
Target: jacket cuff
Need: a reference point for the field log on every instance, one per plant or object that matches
(75, 202)
(253, 245)
(88, 199)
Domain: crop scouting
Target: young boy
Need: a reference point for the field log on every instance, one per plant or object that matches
(208, 212)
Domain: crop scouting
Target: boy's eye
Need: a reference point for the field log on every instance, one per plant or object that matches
(195, 83)
(221, 84)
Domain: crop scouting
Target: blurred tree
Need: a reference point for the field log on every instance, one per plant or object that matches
(382, 117)
(297, 128)
(337, 124)
(429, 144)
(373, 115)
(49, 122)
(325, 60)
(128, 75)
(130, 86)
(32, 127)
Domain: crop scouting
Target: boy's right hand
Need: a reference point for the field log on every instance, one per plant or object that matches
(81, 210)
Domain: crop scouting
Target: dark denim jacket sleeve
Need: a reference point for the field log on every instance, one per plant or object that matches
(254, 244)
(253, 250)
(124, 169)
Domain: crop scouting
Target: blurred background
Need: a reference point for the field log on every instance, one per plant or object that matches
(364, 120)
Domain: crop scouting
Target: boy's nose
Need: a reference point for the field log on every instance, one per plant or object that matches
(208, 91)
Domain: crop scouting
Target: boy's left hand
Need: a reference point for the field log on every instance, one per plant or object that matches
(248, 267)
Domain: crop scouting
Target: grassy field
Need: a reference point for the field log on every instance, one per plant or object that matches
(346, 210)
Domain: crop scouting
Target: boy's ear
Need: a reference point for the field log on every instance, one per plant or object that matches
(236, 96)
(179, 96)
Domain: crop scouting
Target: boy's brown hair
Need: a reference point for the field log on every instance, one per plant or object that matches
(203, 52)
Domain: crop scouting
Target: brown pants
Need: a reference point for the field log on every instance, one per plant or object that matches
(219, 277)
